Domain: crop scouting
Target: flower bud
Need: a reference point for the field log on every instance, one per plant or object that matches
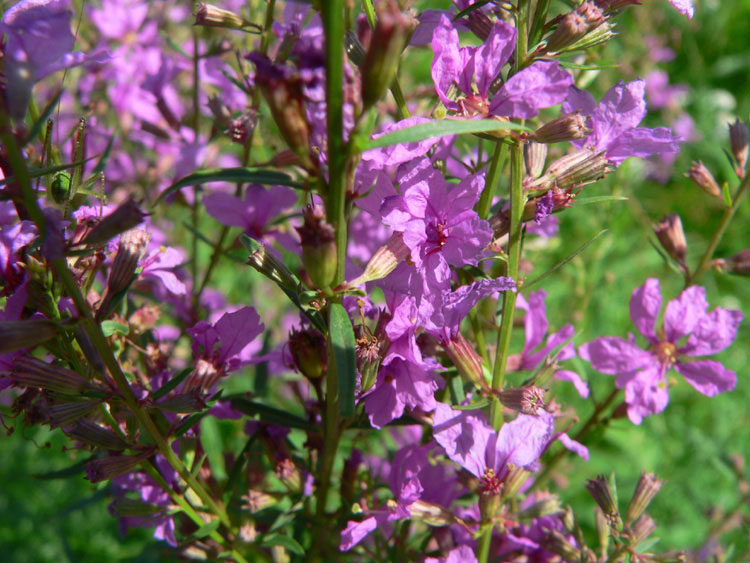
(738, 137)
(132, 247)
(289, 475)
(646, 489)
(574, 26)
(354, 48)
(556, 542)
(28, 371)
(368, 360)
(86, 431)
(219, 110)
(579, 168)
(318, 241)
(349, 475)
(543, 373)
(516, 478)
(542, 507)
(384, 261)
(105, 468)
(739, 263)
(381, 60)
(606, 497)
(535, 157)
(270, 266)
(127, 216)
(240, 129)
(565, 128)
(209, 15)
(642, 529)
(429, 513)
(479, 23)
(308, 350)
(282, 89)
(255, 501)
(202, 378)
(63, 414)
(467, 361)
(16, 335)
(703, 178)
(526, 400)
(672, 238)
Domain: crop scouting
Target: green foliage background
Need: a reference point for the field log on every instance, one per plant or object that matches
(688, 445)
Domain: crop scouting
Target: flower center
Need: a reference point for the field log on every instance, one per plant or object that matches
(474, 105)
(666, 352)
(490, 484)
(437, 234)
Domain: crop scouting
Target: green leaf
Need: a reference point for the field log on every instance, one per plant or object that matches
(480, 404)
(269, 414)
(113, 327)
(466, 11)
(565, 261)
(599, 199)
(726, 194)
(286, 542)
(240, 174)
(37, 172)
(441, 128)
(43, 117)
(341, 336)
(189, 422)
(206, 529)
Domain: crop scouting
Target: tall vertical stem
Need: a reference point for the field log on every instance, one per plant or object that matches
(333, 26)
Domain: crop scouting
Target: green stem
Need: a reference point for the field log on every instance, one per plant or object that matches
(333, 25)
(726, 218)
(493, 179)
(509, 297)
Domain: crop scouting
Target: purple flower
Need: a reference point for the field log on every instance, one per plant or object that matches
(439, 224)
(685, 7)
(219, 348)
(474, 70)
(39, 42)
(614, 123)
(642, 373)
(469, 441)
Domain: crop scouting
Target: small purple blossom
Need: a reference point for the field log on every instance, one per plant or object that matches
(439, 224)
(474, 70)
(688, 332)
(614, 123)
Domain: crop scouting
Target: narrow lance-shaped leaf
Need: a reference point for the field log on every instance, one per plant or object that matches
(441, 128)
(341, 334)
(240, 174)
(565, 261)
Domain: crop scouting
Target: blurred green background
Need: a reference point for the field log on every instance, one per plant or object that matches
(689, 445)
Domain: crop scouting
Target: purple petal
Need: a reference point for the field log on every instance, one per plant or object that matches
(579, 100)
(169, 280)
(447, 63)
(614, 355)
(642, 142)
(714, 332)
(535, 323)
(580, 385)
(236, 330)
(646, 394)
(707, 376)
(621, 109)
(355, 532)
(541, 85)
(645, 304)
(464, 435)
(684, 313)
(521, 441)
(573, 446)
(685, 7)
(490, 57)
